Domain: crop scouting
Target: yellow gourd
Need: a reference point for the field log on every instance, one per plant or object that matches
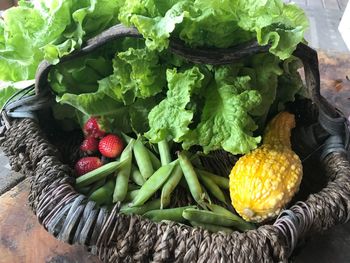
(265, 180)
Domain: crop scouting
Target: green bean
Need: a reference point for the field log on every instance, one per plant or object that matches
(241, 224)
(221, 181)
(211, 228)
(172, 214)
(131, 195)
(99, 173)
(97, 185)
(143, 159)
(164, 152)
(136, 176)
(208, 217)
(156, 164)
(170, 185)
(212, 187)
(121, 183)
(220, 210)
(191, 178)
(153, 184)
(140, 210)
(103, 195)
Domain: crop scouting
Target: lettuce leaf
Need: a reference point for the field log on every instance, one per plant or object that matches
(157, 30)
(289, 83)
(225, 122)
(80, 75)
(114, 115)
(139, 111)
(207, 23)
(6, 93)
(264, 70)
(224, 119)
(92, 104)
(170, 119)
(139, 71)
(49, 29)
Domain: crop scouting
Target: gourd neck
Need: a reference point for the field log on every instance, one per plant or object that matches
(278, 131)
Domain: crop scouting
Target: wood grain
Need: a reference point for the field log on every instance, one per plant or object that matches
(24, 240)
(335, 79)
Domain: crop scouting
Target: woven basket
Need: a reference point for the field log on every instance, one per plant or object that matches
(323, 201)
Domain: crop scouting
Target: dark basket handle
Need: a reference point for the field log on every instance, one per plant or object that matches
(198, 55)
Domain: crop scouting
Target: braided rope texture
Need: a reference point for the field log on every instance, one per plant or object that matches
(116, 237)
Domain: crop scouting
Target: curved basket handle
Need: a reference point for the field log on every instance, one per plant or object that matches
(198, 55)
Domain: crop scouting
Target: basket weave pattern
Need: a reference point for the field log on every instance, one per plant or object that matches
(121, 238)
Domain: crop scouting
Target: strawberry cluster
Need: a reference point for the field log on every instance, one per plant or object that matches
(97, 142)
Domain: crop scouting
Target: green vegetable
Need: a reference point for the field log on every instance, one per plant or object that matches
(99, 173)
(164, 152)
(156, 164)
(49, 30)
(241, 224)
(191, 178)
(121, 183)
(140, 210)
(170, 119)
(138, 73)
(131, 195)
(97, 185)
(170, 185)
(221, 181)
(208, 217)
(143, 159)
(80, 75)
(153, 184)
(212, 188)
(103, 195)
(220, 210)
(205, 22)
(6, 93)
(136, 176)
(289, 83)
(225, 122)
(172, 214)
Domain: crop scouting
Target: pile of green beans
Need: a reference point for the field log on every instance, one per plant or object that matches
(143, 181)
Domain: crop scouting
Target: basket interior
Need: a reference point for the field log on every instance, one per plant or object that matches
(219, 162)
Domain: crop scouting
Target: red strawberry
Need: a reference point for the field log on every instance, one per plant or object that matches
(111, 146)
(92, 128)
(89, 145)
(87, 164)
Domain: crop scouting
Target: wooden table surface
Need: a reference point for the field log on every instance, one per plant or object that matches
(22, 239)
